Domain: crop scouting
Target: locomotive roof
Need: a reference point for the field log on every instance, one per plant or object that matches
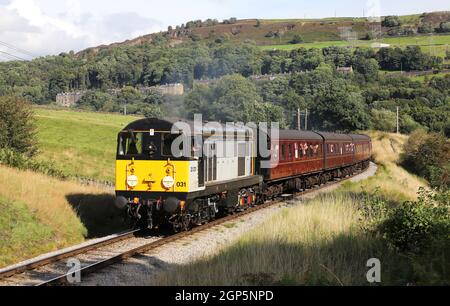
(167, 124)
(153, 123)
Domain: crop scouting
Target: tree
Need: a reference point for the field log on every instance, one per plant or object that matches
(384, 120)
(57, 84)
(152, 111)
(367, 67)
(428, 155)
(305, 59)
(96, 101)
(390, 59)
(391, 21)
(340, 111)
(232, 99)
(425, 28)
(369, 36)
(17, 128)
(339, 57)
(444, 27)
(153, 97)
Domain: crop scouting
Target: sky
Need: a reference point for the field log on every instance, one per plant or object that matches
(31, 28)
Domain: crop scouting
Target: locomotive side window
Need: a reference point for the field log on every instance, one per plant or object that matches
(131, 143)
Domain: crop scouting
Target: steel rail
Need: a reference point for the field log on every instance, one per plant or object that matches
(9, 272)
(63, 279)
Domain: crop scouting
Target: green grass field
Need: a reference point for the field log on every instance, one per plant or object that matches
(435, 44)
(80, 143)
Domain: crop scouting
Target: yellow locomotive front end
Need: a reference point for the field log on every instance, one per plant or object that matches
(151, 182)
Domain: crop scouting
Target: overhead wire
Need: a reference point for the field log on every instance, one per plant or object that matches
(17, 49)
(12, 56)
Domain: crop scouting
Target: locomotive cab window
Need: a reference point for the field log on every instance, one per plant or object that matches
(167, 141)
(130, 143)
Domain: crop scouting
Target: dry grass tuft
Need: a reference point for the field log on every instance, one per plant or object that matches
(315, 244)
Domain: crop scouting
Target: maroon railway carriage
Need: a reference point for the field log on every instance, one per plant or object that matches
(306, 159)
(363, 147)
(298, 153)
(339, 150)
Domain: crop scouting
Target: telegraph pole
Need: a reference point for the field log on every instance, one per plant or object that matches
(306, 120)
(299, 120)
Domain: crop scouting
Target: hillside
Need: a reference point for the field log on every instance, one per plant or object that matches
(82, 144)
(324, 241)
(276, 31)
(41, 214)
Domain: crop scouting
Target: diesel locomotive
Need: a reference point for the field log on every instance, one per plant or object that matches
(222, 173)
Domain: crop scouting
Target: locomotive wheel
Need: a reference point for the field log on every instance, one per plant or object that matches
(186, 224)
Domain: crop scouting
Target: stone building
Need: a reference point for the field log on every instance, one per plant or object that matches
(69, 99)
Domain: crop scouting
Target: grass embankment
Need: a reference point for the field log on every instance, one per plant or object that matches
(38, 214)
(81, 144)
(320, 243)
(434, 45)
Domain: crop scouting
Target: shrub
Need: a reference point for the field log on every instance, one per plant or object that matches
(384, 120)
(444, 27)
(373, 209)
(152, 111)
(22, 162)
(391, 21)
(369, 36)
(296, 40)
(415, 226)
(428, 155)
(17, 129)
(425, 28)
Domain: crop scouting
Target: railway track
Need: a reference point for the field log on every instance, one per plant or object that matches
(108, 252)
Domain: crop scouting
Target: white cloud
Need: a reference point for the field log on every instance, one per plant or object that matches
(26, 26)
(53, 26)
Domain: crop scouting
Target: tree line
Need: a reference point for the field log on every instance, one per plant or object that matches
(155, 63)
(337, 101)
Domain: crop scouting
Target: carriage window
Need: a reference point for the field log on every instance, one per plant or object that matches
(130, 143)
(283, 152)
(290, 151)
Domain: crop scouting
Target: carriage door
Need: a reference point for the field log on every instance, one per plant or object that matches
(211, 162)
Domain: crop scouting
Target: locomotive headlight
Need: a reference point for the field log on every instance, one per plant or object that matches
(132, 181)
(168, 182)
